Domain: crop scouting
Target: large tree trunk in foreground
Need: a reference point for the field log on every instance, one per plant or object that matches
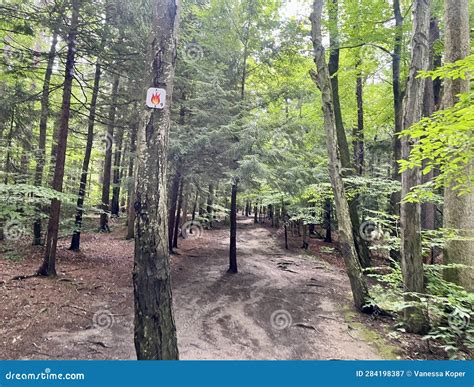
(76, 236)
(155, 331)
(233, 230)
(410, 213)
(354, 270)
(108, 144)
(43, 125)
(48, 268)
(458, 210)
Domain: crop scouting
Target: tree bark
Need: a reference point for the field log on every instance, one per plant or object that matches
(155, 330)
(48, 267)
(354, 270)
(410, 213)
(76, 236)
(458, 210)
(233, 230)
(104, 216)
(43, 125)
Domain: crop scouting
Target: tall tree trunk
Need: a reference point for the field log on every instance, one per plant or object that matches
(358, 141)
(76, 236)
(117, 173)
(410, 213)
(43, 125)
(104, 216)
(395, 197)
(233, 230)
(48, 267)
(458, 210)
(430, 105)
(354, 270)
(155, 330)
(347, 168)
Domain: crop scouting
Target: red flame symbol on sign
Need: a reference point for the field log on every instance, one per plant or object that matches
(155, 99)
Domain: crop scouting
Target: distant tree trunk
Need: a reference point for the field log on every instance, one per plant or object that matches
(354, 270)
(410, 213)
(76, 236)
(255, 213)
(104, 216)
(48, 267)
(172, 206)
(43, 125)
(196, 201)
(115, 205)
(210, 203)
(155, 331)
(327, 220)
(9, 145)
(184, 218)
(178, 214)
(458, 209)
(233, 230)
(131, 196)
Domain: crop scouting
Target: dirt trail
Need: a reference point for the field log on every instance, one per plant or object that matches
(281, 305)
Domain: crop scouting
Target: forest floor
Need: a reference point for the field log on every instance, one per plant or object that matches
(283, 304)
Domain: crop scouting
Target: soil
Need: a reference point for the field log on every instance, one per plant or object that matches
(283, 304)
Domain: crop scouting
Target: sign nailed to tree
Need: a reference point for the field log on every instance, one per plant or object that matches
(156, 98)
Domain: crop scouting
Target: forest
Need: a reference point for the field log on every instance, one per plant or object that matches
(236, 179)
